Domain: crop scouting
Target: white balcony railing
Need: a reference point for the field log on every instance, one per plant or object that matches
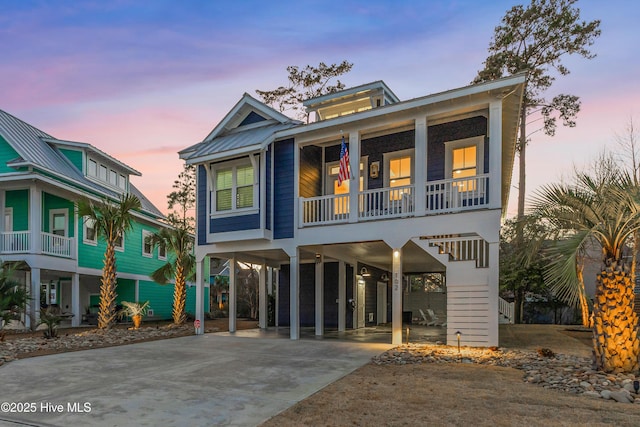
(387, 203)
(448, 195)
(506, 309)
(331, 209)
(463, 249)
(19, 242)
(15, 242)
(52, 244)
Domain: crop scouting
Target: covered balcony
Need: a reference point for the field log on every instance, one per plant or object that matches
(21, 242)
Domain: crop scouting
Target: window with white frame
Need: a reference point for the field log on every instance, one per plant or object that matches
(147, 247)
(102, 173)
(8, 219)
(92, 168)
(162, 251)
(113, 177)
(122, 182)
(90, 236)
(234, 187)
(119, 243)
(464, 158)
(58, 222)
(399, 172)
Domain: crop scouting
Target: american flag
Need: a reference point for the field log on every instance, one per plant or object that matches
(344, 173)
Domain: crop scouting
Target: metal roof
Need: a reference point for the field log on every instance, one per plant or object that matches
(36, 148)
(232, 143)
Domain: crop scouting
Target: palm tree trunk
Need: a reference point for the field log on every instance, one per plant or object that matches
(584, 304)
(107, 313)
(615, 335)
(179, 296)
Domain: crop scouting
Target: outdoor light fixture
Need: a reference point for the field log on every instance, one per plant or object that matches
(364, 272)
(384, 277)
(396, 254)
(458, 333)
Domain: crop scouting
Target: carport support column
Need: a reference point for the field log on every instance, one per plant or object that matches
(294, 295)
(319, 295)
(342, 296)
(492, 316)
(199, 296)
(396, 297)
(34, 304)
(262, 297)
(75, 299)
(232, 295)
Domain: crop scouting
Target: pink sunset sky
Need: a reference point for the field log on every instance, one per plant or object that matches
(143, 80)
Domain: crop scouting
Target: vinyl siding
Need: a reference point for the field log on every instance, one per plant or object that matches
(284, 189)
(269, 184)
(439, 134)
(160, 297)
(310, 171)
(50, 202)
(18, 200)
(129, 261)
(74, 156)
(7, 153)
(190, 306)
(235, 223)
(126, 290)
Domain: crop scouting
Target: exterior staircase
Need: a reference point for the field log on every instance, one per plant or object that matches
(505, 311)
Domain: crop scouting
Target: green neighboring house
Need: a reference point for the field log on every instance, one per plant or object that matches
(41, 177)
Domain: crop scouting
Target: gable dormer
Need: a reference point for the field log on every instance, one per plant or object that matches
(350, 101)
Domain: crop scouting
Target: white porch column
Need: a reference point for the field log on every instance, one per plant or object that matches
(233, 311)
(269, 280)
(492, 315)
(2, 208)
(262, 297)
(342, 296)
(137, 289)
(277, 295)
(420, 168)
(294, 295)
(396, 297)
(35, 220)
(319, 295)
(199, 296)
(354, 183)
(495, 154)
(34, 305)
(75, 300)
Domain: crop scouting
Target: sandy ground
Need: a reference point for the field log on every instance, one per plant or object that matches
(460, 394)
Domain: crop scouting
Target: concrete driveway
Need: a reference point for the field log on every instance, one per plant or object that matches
(209, 380)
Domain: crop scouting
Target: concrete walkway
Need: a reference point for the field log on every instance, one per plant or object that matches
(210, 380)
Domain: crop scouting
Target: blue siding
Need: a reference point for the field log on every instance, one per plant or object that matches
(235, 223)
(202, 205)
(452, 131)
(284, 190)
(268, 192)
(251, 118)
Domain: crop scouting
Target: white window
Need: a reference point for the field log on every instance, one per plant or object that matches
(113, 177)
(162, 252)
(147, 247)
(103, 173)
(119, 243)
(464, 158)
(399, 173)
(122, 182)
(92, 168)
(235, 187)
(8, 219)
(58, 222)
(90, 236)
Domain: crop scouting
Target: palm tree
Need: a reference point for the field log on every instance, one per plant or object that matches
(180, 267)
(111, 221)
(13, 296)
(601, 210)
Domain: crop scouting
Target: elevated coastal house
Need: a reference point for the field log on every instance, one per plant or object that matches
(412, 235)
(41, 178)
